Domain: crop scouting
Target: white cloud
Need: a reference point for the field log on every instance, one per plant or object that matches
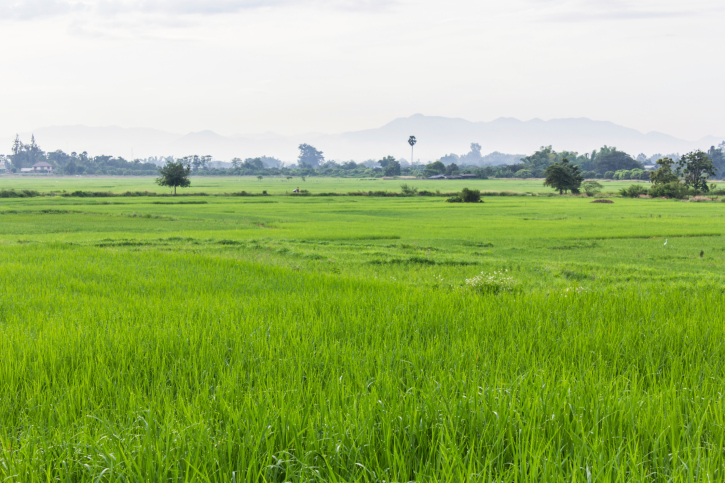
(30, 9)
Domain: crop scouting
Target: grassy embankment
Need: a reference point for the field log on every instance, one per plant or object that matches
(298, 339)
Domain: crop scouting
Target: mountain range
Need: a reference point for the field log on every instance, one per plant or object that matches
(437, 136)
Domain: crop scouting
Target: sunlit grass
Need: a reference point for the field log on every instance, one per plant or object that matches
(315, 340)
(276, 185)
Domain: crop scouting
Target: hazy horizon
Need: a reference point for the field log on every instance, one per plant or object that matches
(437, 137)
(329, 66)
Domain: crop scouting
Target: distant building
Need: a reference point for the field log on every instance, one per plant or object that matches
(42, 167)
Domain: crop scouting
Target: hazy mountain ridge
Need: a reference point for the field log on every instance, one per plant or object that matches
(437, 136)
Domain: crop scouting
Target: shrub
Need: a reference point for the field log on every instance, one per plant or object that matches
(608, 175)
(673, 189)
(454, 199)
(590, 175)
(408, 190)
(591, 188)
(633, 191)
(622, 174)
(470, 196)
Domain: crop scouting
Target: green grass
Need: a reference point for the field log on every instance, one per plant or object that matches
(335, 339)
(279, 185)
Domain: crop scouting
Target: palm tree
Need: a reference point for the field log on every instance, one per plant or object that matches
(412, 141)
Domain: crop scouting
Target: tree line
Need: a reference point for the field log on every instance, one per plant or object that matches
(688, 175)
(605, 163)
(26, 155)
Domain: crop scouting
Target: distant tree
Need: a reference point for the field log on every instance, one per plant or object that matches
(664, 173)
(642, 158)
(609, 159)
(451, 169)
(563, 177)
(386, 161)
(412, 140)
(696, 167)
(259, 177)
(450, 159)
(718, 158)
(236, 162)
(434, 168)
(390, 166)
(473, 156)
(174, 174)
(349, 165)
(540, 160)
(253, 164)
(25, 155)
(70, 167)
(17, 157)
(309, 156)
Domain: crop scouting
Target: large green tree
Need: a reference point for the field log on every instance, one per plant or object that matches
(696, 167)
(664, 173)
(563, 177)
(174, 174)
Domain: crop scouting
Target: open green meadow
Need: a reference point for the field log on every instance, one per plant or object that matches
(277, 185)
(350, 338)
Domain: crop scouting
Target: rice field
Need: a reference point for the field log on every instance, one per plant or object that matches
(277, 185)
(279, 338)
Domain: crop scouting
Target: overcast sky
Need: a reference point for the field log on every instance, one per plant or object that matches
(295, 66)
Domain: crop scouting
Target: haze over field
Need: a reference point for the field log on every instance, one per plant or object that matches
(437, 136)
(197, 75)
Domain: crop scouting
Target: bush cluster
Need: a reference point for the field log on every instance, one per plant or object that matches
(466, 196)
(11, 193)
(673, 190)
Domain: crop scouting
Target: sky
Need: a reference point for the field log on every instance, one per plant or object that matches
(328, 66)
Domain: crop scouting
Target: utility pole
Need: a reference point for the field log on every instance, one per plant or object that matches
(412, 141)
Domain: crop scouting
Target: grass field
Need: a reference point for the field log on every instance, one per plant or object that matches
(337, 339)
(281, 185)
